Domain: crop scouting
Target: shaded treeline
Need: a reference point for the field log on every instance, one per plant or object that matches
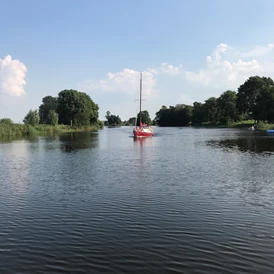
(115, 120)
(253, 100)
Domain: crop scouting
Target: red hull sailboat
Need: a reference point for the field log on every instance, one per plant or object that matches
(141, 130)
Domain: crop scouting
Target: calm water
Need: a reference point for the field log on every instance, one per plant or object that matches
(184, 201)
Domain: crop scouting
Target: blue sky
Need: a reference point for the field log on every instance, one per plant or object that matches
(187, 51)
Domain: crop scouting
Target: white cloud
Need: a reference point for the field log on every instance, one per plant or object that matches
(127, 81)
(224, 73)
(259, 51)
(220, 49)
(12, 76)
(225, 68)
(165, 68)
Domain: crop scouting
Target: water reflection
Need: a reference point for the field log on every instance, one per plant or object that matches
(16, 166)
(75, 141)
(256, 144)
(122, 207)
(10, 139)
(146, 141)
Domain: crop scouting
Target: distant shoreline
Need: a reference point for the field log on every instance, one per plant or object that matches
(17, 130)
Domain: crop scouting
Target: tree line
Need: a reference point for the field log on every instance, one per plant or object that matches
(115, 120)
(70, 107)
(254, 99)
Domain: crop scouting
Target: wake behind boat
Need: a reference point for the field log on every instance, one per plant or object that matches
(141, 130)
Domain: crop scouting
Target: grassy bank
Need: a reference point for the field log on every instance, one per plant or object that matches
(245, 123)
(264, 126)
(242, 124)
(258, 126)
(21, 129)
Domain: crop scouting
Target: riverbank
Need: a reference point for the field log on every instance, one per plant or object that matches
(258, 126)
(242, 124)
(22, 129)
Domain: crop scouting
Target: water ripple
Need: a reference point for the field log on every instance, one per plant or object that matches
(179, 203)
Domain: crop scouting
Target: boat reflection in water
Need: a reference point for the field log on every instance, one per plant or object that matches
(145, 141)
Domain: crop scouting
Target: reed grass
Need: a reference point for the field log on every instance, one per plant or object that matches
(22, 129)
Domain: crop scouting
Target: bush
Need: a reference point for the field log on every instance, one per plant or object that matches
(32, 118)
(6, 121)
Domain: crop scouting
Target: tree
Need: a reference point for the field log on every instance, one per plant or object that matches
(185, 114)
(49, 104)
(76, 106)
(211, 110)
(227, 107)
(52, 118)
(32, 118)
(198, 113)
(145, 118)
(180, 115)
(161, 116)
(248, 92)
(264, 108)
(113, 120)
(131, 121)
(6, 121)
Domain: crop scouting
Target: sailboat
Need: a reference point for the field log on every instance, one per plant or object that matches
(141, 130)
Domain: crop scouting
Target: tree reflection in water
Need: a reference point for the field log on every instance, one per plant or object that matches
(75, 141)
(255, 144)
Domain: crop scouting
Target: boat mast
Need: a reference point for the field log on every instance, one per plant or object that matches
(140, 96)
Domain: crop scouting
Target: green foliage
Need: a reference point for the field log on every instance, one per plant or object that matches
(145, 118)
(264, 108)
(76, 106)
(100, 124)
(162, 116)
(255, 98)
(32, 130)
(6, 121)
(180, 115)
(264, 126)
(211, 110)
(49, 104)
(112, 120)
(131, 121)
(52, 118)
(70, 105)
(226, 104)
(12, 129)
(221, 110)
(32, 118)
(26, 129)
(242, 123)
(249, 91)
(199, 113)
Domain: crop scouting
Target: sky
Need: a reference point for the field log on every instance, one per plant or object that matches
(187, 51)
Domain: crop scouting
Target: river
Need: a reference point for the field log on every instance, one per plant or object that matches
(187, 200)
